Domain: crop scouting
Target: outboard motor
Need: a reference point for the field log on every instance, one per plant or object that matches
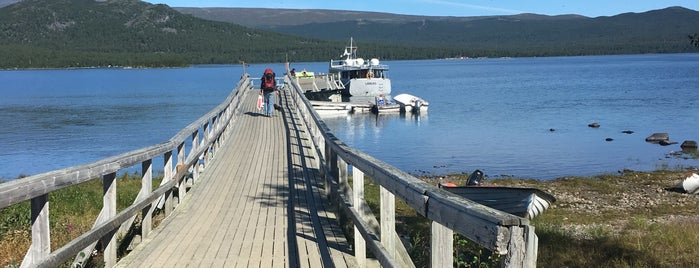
(416, 109)
(476, 178)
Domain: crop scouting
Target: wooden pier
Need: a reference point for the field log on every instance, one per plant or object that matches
(244, 190)
(259, 204)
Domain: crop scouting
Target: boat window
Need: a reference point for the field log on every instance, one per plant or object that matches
(378, 73)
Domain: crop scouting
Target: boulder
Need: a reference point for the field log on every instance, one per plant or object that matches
(689, 144)
(658, 137)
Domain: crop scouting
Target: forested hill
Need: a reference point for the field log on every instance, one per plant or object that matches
(98, 33)
(87, 33)
(657, 31)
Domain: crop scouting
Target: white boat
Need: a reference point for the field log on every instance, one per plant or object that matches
(690, 184)
(362, 81)
(523, 202)
(411, 104)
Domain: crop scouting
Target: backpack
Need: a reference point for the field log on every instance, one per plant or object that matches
(268, 82)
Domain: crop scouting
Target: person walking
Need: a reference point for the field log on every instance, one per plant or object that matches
(268, 87)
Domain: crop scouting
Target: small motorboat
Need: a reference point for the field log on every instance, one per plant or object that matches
(411, 104)
(523, 202)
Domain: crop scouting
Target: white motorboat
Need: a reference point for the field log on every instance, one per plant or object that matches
(411, 104)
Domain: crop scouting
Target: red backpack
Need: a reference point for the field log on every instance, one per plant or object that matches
(268, 81)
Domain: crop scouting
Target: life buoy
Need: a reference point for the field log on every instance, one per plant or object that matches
(370, 74)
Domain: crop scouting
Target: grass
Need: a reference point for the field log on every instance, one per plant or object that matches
(629, 219)
(615, 220)
(622, 220)
(416, 230)
(72, 212)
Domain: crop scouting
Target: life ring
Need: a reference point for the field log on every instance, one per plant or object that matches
(370, 74)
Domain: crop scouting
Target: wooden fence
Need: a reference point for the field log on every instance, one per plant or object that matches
(204, 136)
(506, 234)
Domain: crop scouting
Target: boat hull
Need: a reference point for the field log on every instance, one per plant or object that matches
(411, 104)
(690, 184)
(523, 202)
(369, 87)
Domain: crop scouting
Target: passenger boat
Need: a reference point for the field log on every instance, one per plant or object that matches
(523, 202)
(363, 81)
(351, 84)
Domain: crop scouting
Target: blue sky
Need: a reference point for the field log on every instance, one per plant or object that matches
(590, 8)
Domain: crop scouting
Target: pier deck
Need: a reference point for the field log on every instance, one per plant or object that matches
(257, 204)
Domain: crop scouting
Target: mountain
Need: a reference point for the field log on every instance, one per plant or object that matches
(87, 33)
(270, 18)
(79, 33)
(656, 31)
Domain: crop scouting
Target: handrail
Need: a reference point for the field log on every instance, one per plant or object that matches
(498, 231)
(206, 134)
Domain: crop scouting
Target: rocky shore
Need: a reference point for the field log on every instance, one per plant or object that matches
(610, 200)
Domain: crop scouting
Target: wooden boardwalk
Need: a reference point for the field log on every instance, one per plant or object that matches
(257, 204)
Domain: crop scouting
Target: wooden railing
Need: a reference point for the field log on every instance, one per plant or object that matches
(204, 136)
(505, 234)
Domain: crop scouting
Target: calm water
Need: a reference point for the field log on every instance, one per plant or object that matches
(488, 114)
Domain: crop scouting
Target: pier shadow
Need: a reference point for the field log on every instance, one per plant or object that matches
(255, 114)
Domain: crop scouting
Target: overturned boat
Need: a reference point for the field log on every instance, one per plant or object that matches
(523, 202)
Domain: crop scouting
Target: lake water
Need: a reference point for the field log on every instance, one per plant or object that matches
(495, 115)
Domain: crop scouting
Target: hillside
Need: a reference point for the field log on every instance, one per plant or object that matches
(658, 31)
(82, 33)
(270, 18)
(89, 33)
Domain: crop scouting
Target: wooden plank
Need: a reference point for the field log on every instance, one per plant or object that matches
(388, 220)
(109, 205)
(41, 239)
(358, 194)
(442, 245)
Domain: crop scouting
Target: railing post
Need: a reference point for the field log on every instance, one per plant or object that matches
(523, 247)
(109, 241)
(167, 175)
(357, 197)
(181, 190)
(442, 245)
(212, 130)
(41, 233)
(207, 137)
(146, 188)
(343, 181)
(334, 171)
(195, 147)
(388, 220)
